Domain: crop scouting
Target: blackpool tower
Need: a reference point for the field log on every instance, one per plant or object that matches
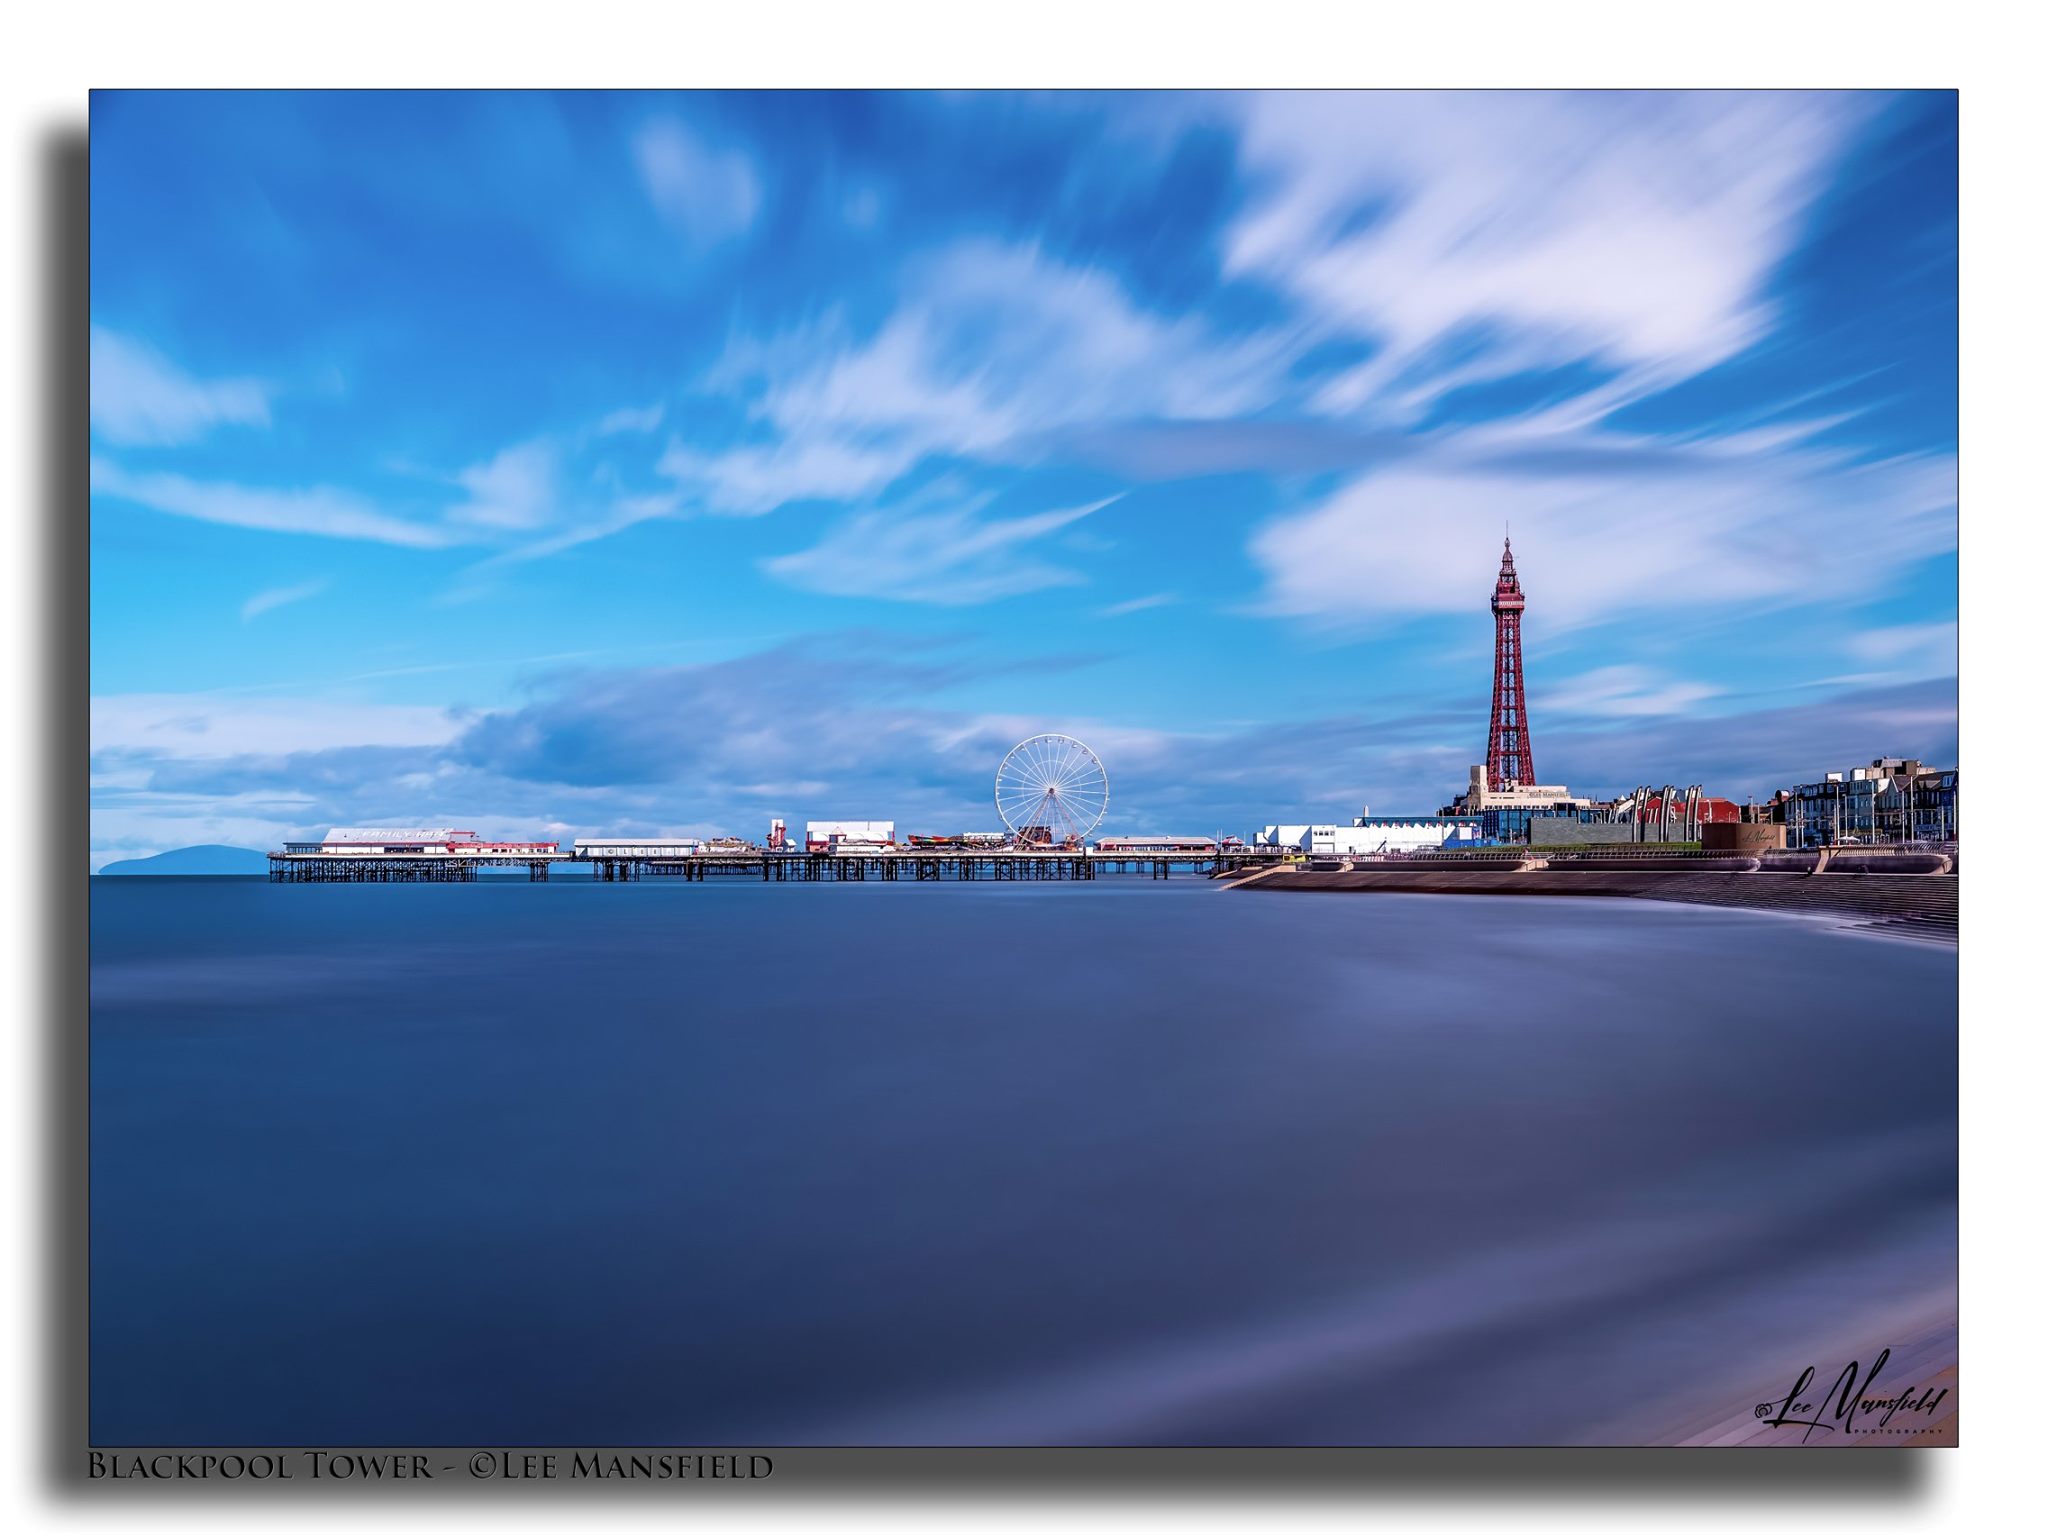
(1508, 759)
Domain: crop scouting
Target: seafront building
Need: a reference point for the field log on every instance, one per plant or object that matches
(1371, 835)
(1504, 810)
(1395, 835)
(1673, 814)
(1892, 800)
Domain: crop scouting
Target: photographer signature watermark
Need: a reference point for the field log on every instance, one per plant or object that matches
(1853, 1405)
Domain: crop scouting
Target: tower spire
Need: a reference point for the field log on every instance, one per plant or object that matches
(1508, 757)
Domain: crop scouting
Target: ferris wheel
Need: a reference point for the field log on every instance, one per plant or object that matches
(1051, 790)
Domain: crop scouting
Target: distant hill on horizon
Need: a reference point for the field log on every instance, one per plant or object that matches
(198, 859)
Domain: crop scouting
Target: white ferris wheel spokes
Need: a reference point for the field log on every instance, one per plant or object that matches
(1051, 791)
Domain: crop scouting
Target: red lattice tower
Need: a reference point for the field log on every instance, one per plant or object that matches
(1508, 758)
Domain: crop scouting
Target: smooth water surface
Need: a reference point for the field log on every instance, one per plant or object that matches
(1126, 1162)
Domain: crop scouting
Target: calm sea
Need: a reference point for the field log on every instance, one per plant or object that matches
(1130, 1162)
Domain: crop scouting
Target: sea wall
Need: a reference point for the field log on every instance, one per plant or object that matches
(1741, 837)
(1564, 832)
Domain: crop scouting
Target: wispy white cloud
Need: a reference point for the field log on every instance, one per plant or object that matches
(709, 195)
(758, 478)
(624, 513)
(318, 510)
(1899, 652)
(1468, 237)
(223, 724)
(1471, 235)
(277, 597)
(141, 398)
(632, 419)
(1622, 532)
(1621, 690)
(1893, 643)
(548, 494)
(513, 490)
(1137, 605)
(991, 347)
(947, 556)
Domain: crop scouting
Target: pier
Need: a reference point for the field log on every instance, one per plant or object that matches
(768, 865)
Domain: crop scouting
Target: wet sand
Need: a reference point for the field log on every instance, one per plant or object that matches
(1919, 906)
(1921, 1339)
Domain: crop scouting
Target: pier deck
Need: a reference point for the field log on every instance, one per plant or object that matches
(765, 865)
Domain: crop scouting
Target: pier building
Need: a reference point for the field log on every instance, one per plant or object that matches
(353, 842)
(827, 837)
(636, 848)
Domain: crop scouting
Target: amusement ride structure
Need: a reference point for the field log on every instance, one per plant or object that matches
(1051, 792)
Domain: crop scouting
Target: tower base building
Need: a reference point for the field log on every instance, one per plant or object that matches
(1504, 811)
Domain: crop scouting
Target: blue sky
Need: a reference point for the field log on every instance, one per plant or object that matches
(664, 463)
